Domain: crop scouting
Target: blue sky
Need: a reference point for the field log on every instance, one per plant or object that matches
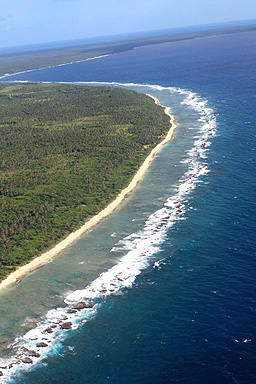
(36, 21)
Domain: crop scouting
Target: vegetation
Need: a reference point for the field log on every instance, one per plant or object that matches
(33, 59)
(66, 152)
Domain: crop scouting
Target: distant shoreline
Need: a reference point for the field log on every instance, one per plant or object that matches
(45, 58)
(38, 261)
(50, 66)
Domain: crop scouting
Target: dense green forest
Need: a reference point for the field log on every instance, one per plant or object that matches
(41, 58)
(66, 152)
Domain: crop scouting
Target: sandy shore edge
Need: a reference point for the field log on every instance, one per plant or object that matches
(38, 261)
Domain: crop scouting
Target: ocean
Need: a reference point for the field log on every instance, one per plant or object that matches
(171, 272)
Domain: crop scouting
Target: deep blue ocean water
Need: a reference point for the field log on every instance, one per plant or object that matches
(190, 315)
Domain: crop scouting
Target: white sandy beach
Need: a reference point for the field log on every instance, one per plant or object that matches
(20, 272)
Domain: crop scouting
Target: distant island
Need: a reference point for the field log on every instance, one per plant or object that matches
(66, 152)
(35, 58)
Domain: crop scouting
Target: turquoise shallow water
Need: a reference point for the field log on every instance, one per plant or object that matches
(81, 262)
(187, 314)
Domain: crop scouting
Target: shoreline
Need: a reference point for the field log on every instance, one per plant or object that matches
(218, 32)
(15, 276)
(41, 68)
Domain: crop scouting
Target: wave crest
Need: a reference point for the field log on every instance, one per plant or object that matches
(82, 305)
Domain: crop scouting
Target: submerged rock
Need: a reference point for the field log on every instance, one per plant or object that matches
(1, 373)
(82, 305)
(27, 360)
(70, 310)
(66, 325)
(49, 330)
(42, 344)
(32, 353)
(49, 361)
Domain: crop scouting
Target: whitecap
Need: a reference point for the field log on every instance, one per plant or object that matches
(139, 249)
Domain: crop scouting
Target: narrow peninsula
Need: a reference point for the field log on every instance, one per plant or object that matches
(70, 154)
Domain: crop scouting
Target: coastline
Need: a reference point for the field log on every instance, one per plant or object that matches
(50, 66)
(38, 261)
(221, 30)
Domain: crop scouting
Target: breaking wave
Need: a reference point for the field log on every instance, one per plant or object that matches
(138, 248)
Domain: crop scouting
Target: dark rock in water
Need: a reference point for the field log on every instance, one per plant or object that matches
(70, 310)
(49, 330)
(32, 353)
(53, 325)
(82, 305)
(27, 360)
(1, 373)
(42, 345)
(66, 325)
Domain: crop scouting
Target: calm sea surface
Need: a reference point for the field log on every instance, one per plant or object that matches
(171, 272)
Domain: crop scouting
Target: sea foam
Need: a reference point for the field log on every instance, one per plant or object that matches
(138, 248)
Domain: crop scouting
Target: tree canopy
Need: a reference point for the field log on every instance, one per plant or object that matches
(66, 152)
